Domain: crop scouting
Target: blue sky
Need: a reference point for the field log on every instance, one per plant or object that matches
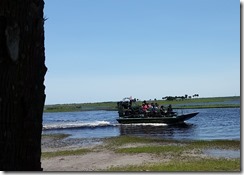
(105, 50)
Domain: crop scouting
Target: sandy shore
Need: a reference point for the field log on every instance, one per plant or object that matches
(96, 161)
(100, 157)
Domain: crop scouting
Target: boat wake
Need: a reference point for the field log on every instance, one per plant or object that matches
(76, 125)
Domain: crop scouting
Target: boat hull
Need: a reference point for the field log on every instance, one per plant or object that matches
(163, 119)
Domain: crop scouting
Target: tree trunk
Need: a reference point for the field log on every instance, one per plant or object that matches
(22, 71)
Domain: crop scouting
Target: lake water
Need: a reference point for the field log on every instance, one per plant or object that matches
(209, 124)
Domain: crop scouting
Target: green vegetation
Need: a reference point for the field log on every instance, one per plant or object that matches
(65, 153)
(176, 150)
(216, 144)
(81, 107)
(208, 106)
(152, 149)
(114, 143)
(177, 165)
(180, 147)
(163, 145)
(183, 104)
(118, 141)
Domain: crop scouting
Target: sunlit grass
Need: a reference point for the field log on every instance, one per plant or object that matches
(152, 149)
(220, 144)
(65, 153)
(176, 150)
(217, 144)
(115, 142)
(206, 165)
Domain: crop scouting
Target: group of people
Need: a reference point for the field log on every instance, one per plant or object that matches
(154, 108)
(148, 109)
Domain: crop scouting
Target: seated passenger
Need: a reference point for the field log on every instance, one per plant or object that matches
(162, 109)
(169, 110)
(156, 106)
(156, 109)
(144, 107)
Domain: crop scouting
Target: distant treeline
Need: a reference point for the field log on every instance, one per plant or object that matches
(170, 98)
(187, 103)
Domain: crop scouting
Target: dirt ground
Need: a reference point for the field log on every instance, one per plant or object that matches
(99, 159)
(96, 161)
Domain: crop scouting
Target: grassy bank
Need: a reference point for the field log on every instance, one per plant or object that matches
(115, 143)
(202, 165)
(196, 103)
(172, 155)
(184, 155)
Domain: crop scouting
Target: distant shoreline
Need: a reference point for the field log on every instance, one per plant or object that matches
(194, 103)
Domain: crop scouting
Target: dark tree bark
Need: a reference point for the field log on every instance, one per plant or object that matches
(22, 71)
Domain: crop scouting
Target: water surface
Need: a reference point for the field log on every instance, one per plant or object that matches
(209, 124)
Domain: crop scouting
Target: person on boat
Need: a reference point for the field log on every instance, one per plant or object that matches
(130, 104)
(156, 106)
(151, 108)
(162, 109)
(169, 110)
(141, 109)
(156, 109)
(144, 107)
